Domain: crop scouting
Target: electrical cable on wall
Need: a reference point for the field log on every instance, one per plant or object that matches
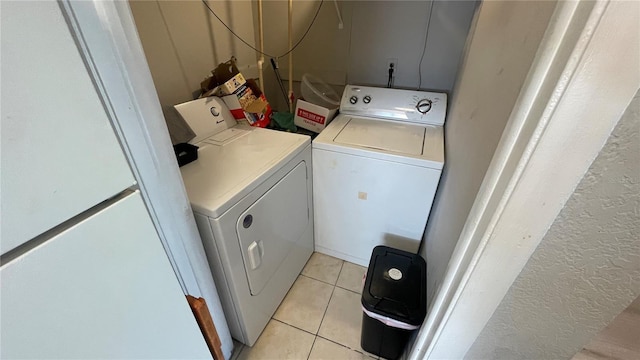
(251, 46)
(424, 48)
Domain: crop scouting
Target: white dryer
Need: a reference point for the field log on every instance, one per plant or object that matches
(376, 168)
(251, 194)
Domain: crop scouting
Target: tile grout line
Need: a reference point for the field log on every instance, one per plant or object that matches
(293, 326)
(322, 281)
(333, 290)
(312, 344)
(359, 351)
(315, 336)
(328, 283)
(349, 290)
(339, 273)
(326, 307)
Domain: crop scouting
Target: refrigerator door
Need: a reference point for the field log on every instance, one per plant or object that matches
(60, 155)
(102, 289)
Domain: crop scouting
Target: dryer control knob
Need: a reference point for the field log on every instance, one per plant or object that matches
(423, 106)
(353, 99)
(366, 99)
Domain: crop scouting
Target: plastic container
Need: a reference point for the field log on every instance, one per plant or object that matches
(317, 92)
(394, 301)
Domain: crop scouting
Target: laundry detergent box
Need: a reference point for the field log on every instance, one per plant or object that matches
(249, 103)
(312, 117)
(242, 96)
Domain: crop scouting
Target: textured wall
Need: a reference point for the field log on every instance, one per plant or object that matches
(586, 269)
(619, 340)
(500, 53)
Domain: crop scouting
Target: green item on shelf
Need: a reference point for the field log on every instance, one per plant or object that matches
(284, 120)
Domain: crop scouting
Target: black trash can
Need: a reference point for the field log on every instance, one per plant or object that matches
(394, 301)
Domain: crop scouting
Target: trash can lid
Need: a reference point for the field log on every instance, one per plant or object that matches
(396, 285)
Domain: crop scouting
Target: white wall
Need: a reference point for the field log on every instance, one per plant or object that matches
(183, 42)
(498, 58)
(373, 32)
(324, 52)
(586, 270)
(397, 29)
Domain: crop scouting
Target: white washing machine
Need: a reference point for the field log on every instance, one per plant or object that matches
(251, 194)
(376, 168)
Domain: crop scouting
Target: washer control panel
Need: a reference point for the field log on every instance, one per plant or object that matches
(395, 104)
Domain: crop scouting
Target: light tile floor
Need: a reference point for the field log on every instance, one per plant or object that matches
(320, 318)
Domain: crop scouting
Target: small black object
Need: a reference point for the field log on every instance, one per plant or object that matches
(395, 288)
(248, 220)
(185, 153)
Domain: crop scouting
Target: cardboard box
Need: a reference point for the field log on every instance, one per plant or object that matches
(249, 103)
(208, 84)
(228, 78)
(232, 85)
(243, 97)
(312, 117)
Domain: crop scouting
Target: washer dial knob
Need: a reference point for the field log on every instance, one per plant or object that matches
(353, 99)
(366, 99)
(423, 106)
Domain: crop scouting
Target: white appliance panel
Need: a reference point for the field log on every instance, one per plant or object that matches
(221, 280)
(423, 107)
(46, 178)
(206, 117)
(248, 314)
(224, 174)
(383, 135)
(360, 203)
(226, 135)
(271, 226)
(432, 150)
(103, 288)
(262, 173)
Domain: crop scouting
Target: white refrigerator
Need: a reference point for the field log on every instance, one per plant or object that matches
(83, 273)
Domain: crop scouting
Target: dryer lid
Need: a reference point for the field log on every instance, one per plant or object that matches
(396, 137)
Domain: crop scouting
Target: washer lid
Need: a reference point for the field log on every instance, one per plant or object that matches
(405, 143)
(383, 135)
